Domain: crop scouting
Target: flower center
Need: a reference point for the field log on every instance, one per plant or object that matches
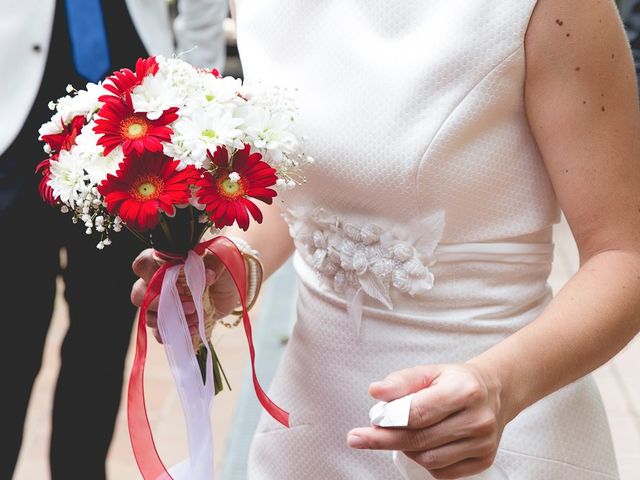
(134, 127)
(147, 187)
(230, 188)
(209, 133)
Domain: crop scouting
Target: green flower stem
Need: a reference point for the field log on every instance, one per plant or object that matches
(165, 228)
(218, 371)
(138, 235)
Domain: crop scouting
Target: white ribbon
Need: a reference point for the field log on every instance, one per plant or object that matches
(196, 398)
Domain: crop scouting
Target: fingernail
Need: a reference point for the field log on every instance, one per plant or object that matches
(354, 441)
(210, 276)
(189, 307)
(382, 384)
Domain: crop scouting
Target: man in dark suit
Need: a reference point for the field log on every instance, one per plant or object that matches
(630, 11)
(97, 283)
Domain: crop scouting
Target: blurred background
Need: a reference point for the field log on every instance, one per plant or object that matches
(236, 412)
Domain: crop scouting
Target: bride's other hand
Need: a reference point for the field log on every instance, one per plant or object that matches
(219, 284)
(455, 421)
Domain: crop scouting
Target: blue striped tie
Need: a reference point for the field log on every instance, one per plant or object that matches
(88, 38)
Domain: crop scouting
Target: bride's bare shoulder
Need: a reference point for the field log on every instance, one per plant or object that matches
(582, 105)
(564, 29)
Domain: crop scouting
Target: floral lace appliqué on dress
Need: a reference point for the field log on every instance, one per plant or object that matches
(367, 259)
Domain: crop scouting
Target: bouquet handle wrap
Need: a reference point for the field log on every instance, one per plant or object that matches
(196, 397)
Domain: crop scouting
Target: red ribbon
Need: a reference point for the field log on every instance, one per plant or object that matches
(144, 448)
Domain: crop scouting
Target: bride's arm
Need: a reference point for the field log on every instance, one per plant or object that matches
(583, 109)
(582, 106)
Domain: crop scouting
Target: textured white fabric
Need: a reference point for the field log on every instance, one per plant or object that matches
(413, 110)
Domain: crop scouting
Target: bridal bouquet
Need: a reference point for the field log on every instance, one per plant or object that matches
(170, 151)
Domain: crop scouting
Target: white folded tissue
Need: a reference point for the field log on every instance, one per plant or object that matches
(392, 414)
(396, 414)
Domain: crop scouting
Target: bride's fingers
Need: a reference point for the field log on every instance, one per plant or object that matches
(152, 320)
(145, 265)
(192, 319)
(211, 262)
(453, 453)
(188, 307)
(210, 276)
(224, 294)
(453, 428)
(464, 468)
(156, 335)
(137, 295)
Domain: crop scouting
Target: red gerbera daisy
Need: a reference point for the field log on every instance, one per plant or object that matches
(46, 192)
(120, 124)
(124, 80)
(145, 186)
(67, 138)
(226, 191)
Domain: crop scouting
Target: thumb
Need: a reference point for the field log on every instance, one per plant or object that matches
(210, 277)
(403, 382)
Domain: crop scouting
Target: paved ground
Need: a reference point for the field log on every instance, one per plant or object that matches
(619, 382)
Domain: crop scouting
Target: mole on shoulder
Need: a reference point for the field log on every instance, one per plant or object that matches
(577, 69)
(602, 108)
(559, 22)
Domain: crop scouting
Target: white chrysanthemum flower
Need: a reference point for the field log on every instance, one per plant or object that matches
(87, 142)
(67, 177)
(177, 150)
(95, 163)
(270, 131)
(204, 131)
(52, 127)
(84, 102)
(101, 166)
(215, 91)
(155, 95)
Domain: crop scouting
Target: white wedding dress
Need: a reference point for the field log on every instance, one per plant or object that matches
(424, 231)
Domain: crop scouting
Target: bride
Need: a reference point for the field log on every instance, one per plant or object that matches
(448, 135)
